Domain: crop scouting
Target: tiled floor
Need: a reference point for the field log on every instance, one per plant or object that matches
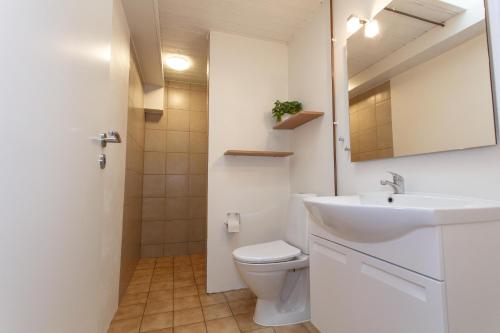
(167, 295)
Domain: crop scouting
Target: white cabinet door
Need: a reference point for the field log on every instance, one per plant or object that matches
(355, 293)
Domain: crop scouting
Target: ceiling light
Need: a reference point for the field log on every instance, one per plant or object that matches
(177, 62)
(371, 29)
(353, 24)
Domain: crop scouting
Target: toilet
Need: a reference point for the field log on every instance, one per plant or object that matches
(278, 271)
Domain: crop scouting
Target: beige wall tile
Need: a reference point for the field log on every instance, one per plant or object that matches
(383, 112)
(371, 155)
(177, 142)
(177, 98)
(178, 84)
(155, 140)
(198, 164)
(151, 251)
(177, 163)
(368, 140)
(178, 120)
(154, 163)
(177, 185)
(156, 121)
(197, 208)
(198, 100)
(177, 208)
(197, 247)
(176, 231)
(152, 232)
(385, 153)
(355, 143)
(153, 209)
(354, 122)
(384, 136)
(198, 121)
(198, 185)
(367, 118)
(197, 230)
(175, 249)
(198, 142)
(154, 185)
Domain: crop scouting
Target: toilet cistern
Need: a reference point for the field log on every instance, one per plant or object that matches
(397, 184)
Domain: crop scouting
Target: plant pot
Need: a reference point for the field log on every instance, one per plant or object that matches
(285, 117)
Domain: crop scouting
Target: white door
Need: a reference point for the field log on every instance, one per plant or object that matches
(59, 228)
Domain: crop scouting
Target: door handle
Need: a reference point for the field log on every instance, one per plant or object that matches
(111, 137)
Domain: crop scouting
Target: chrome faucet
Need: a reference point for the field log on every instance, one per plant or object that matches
(397, 184)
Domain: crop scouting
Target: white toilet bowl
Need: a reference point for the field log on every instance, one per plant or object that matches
(278, 274)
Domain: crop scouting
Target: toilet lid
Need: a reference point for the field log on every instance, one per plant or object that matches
(269, 252)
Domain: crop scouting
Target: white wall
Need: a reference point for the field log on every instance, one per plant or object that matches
(444, 103)
(471, 172)
(309, 70)
(246, 77)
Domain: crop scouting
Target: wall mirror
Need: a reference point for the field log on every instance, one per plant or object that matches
(420, 79)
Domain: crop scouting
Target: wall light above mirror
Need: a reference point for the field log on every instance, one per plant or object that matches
(423, 83)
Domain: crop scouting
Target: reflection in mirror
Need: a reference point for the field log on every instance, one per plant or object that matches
(422, 83)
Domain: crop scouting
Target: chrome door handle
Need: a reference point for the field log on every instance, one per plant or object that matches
(111, 137)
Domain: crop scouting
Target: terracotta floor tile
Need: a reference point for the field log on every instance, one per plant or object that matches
(246, 323)
(162, 278)
(211, 299)
(157, 322)
(129, 299)
(187, 302)
(159, 307)
(142, 272)
(192, 328)
(146, 265)
(224, 325)
(183, 268)
(129, 311)
(141, 279)
(263, 330)
(184, 282)
(310, 327)
(187, 316)
(162, 295)
(242, 306)
(147, 260)
(183, 275)
(240, 294)
(299, 328)
(125, 326)
(182, 260)
(138, 288)
(217, 311)
(156, 286)
(185, 291)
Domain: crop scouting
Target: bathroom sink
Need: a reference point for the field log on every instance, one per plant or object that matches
(381, 216)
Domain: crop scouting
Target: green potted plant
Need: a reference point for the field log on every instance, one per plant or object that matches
(285, 109)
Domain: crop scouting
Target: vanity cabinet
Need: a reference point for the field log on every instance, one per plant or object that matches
(352, 292)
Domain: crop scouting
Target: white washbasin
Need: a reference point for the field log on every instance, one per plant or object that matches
(381, 216)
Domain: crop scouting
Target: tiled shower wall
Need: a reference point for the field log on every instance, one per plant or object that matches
(131, 235)
(371, 124)
(175, 174)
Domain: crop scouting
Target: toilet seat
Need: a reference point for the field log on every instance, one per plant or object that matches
(270, 252)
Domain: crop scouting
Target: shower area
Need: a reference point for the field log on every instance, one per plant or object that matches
(174, 196)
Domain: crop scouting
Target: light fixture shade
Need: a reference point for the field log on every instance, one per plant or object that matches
(372, 29)
(353, 24)
(177, 62)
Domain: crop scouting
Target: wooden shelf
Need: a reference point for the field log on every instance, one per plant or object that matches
(153, 111)
(298, 119)
(258, 153)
